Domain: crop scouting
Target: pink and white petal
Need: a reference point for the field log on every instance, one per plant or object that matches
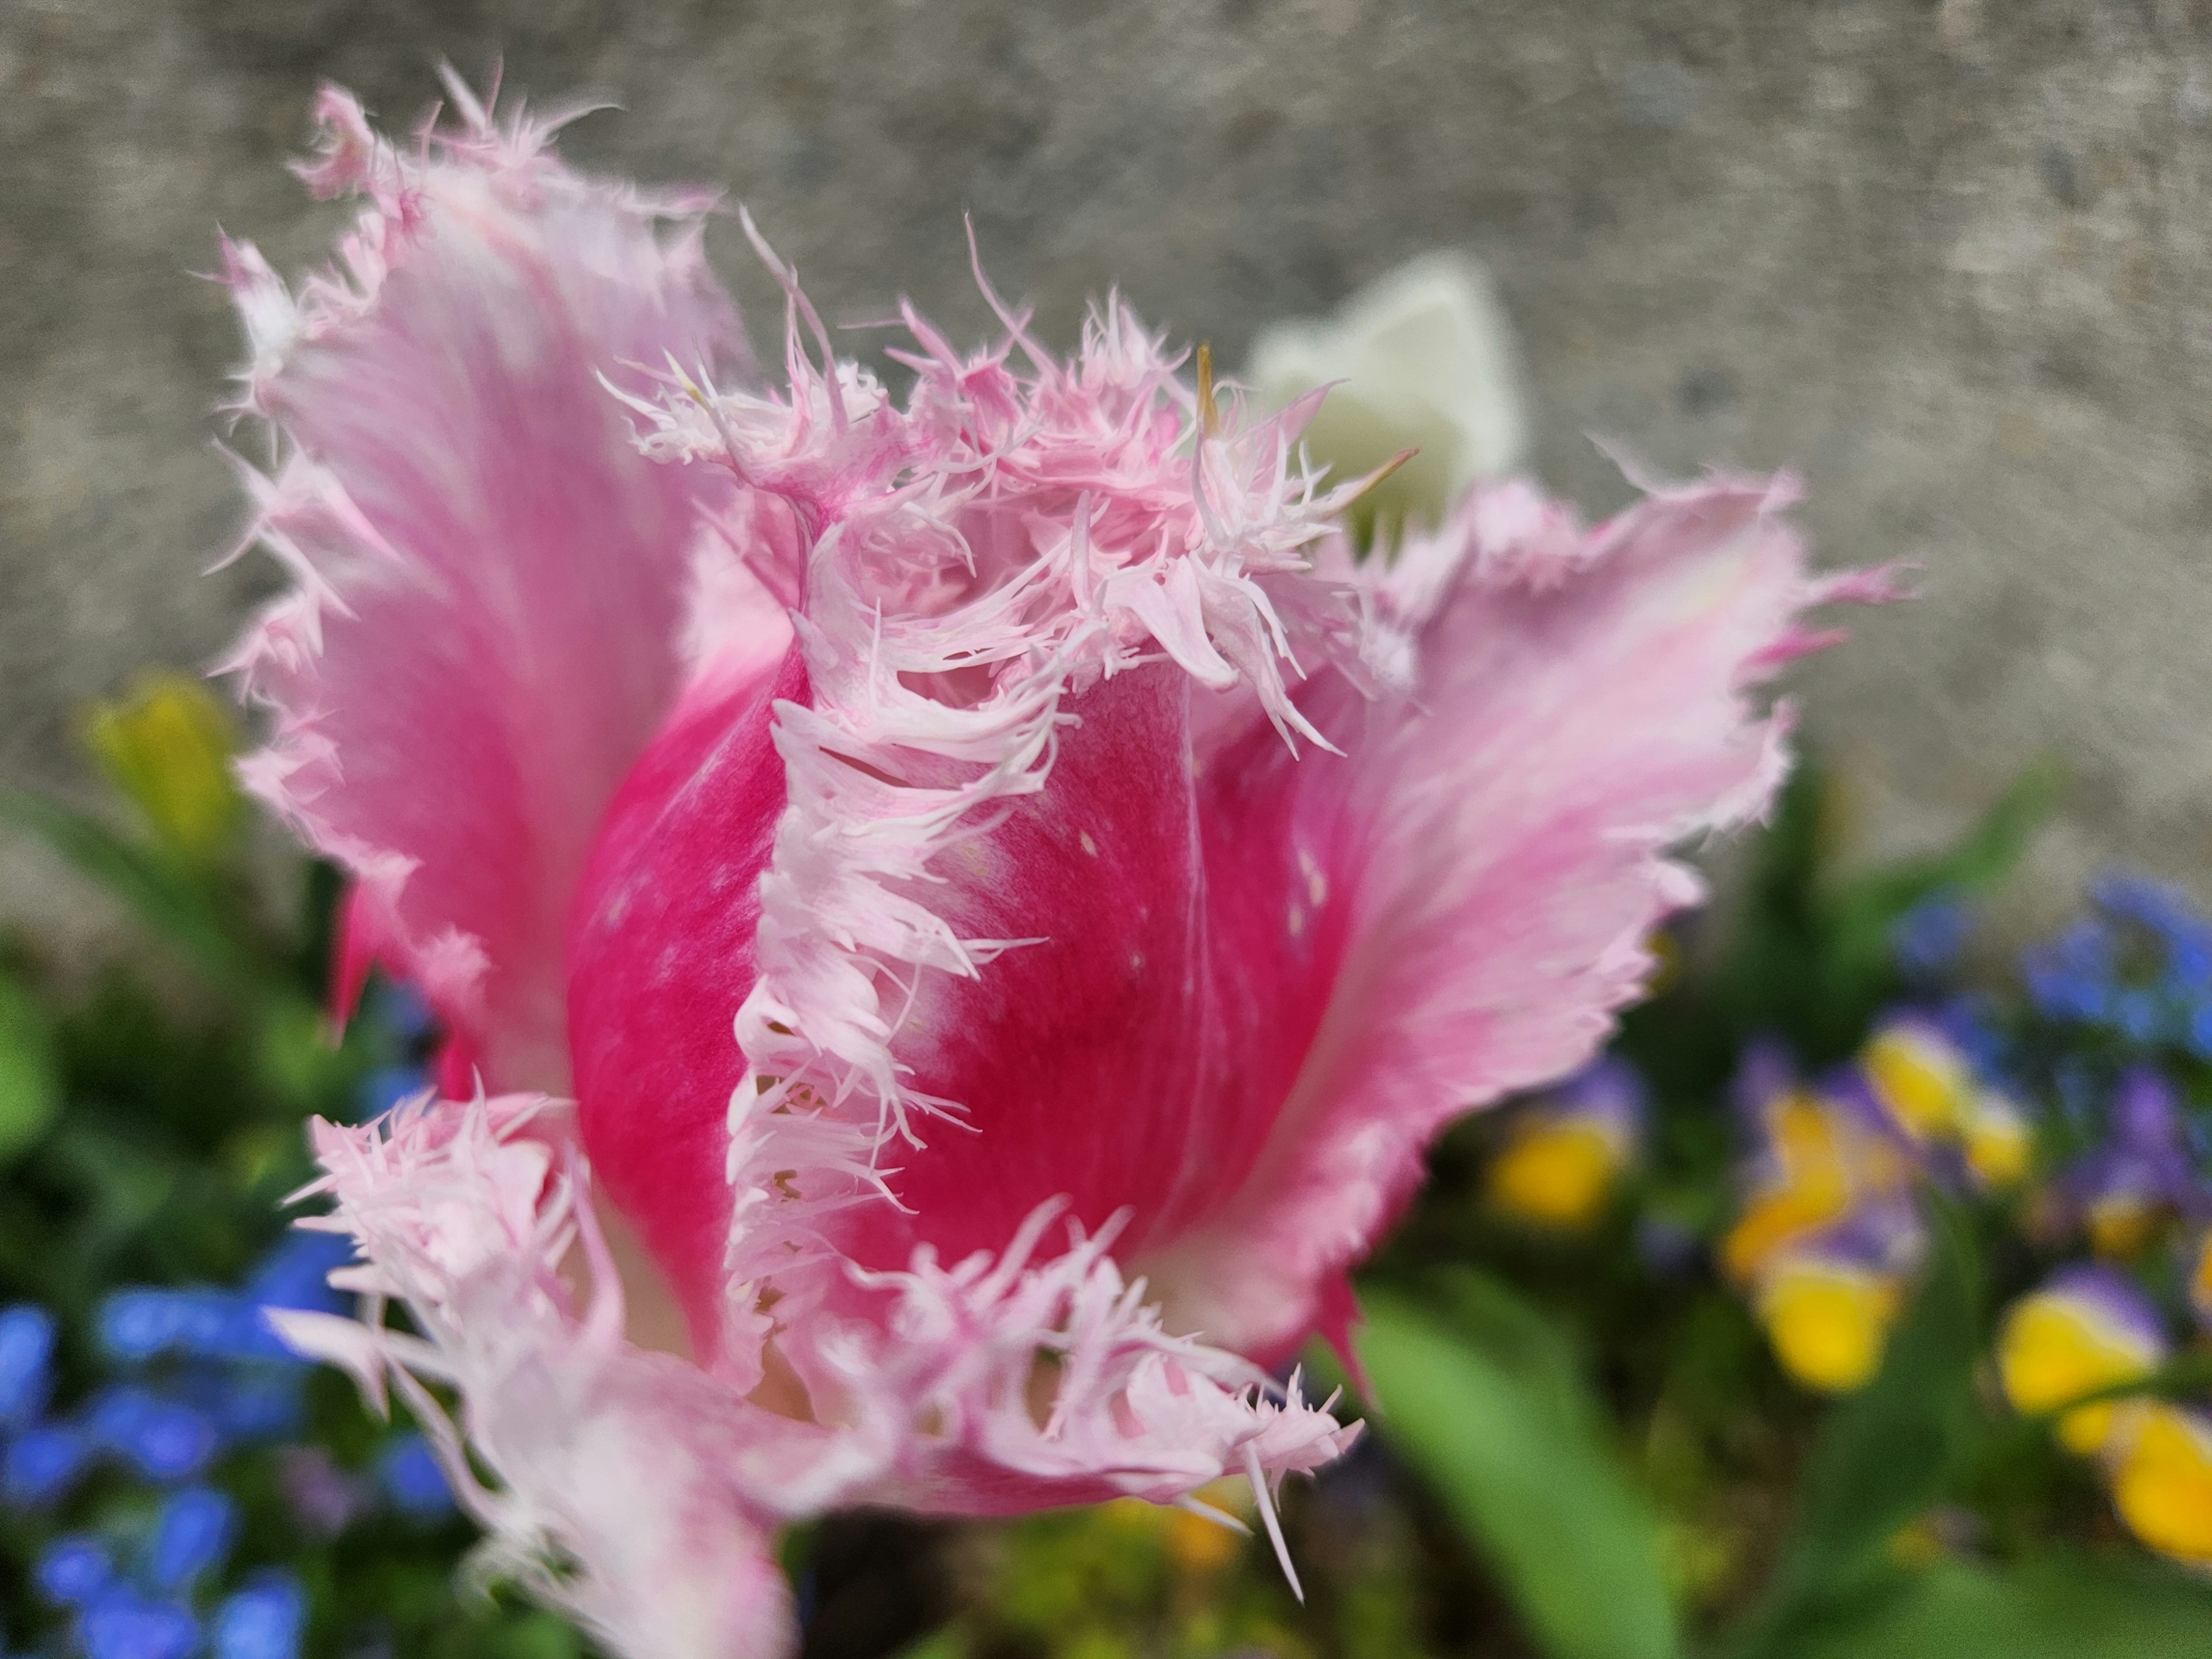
(973, 571)
(630, 1491)
(1021, 1384)
(491, 583)
(1495, 844)
(638, 1493)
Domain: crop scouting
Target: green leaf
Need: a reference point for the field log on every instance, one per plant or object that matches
(1984, 855)
(2052, 1606)
(946, 1642)
(30, 1078)
(1501, 1427)
(1883, 1454)
(1861, 912)
(163, 896)
(1810, 954)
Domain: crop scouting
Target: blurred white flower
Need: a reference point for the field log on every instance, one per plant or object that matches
(1421, 358)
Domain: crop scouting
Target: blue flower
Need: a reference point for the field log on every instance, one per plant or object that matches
(386, 1086)
(191, 1536)
(1927, 939)
(1971, 1020)
(259, 1405)
(2163, 912)
(42, 1464)
(73, 1570)
(27, 1350)
(165, 1440)
(2142, 965)
(143, 1323)
(296, 1275)
(261, 1622)
(2072, 976)
(122, 1624)
(411, 1477)
(401, 1009)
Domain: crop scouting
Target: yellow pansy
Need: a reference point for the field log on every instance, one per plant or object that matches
(2162, 1481)
(1999, 1142)
(1563, 1154)
(2088, 1330)
(1828, 1320)
(1921, 1077)
(1556, 1173)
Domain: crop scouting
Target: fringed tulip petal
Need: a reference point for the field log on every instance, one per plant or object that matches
(631, 1485)
(1576, 703)
(637, 1493)
(490, 584)
(1027, 603)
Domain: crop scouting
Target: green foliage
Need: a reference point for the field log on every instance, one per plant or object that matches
(1491, 1406)
(30, 1081)
(1883, 1457)
(2056, 1606)
(150, 1135)
(183, 905)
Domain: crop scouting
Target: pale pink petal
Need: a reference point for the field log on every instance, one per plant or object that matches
(491, 584)
(638, 1493)
(630, 1491)
(1121, 1408)
(1496, 845)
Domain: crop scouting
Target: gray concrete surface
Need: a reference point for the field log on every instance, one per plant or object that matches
(1950, 260)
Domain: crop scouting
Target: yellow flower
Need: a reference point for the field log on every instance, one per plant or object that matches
(1998, 1141)
(1555, 1172)
(2121, 1225)
(2200, 1277)
(1564, 1153)
(1921, 1077)
(167, 748)
(1812, 1186)
(1198, 1547)
(2087, 1332)
(2162, 1481)
(1828, 1320)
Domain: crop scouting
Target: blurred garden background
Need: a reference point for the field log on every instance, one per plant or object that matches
(1853, 1306)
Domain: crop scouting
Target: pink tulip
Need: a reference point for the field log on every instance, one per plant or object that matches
(958, 915)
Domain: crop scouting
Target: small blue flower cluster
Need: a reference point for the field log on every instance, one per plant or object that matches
(192, 1374)
(2140, 965)
(141, 1607)
(1928, 938)
(199, 1370)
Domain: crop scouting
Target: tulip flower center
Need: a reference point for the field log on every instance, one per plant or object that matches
(1130, 1054)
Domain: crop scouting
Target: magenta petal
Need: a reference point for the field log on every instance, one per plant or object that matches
(491, 582)
(1132, 1053)
(660, 955)
(1026, 612)
(1578, 705)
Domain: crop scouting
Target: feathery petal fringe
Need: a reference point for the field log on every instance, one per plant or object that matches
(637, 1493)
(959, 566)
